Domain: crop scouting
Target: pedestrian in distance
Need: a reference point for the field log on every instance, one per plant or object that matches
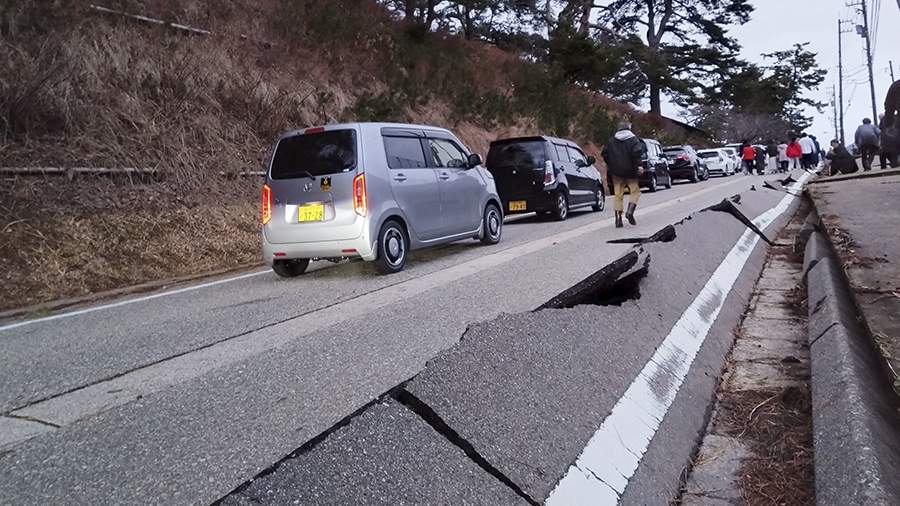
(624, 155)
(772, 151)
(841, 159)
(783, 159)
(807, 148)
(868, 140)
(795, 153)
(817, 153)
(748, 158)
(760, 159)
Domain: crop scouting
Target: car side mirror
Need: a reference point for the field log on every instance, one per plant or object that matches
(580, 163)
(473, 161)
(591, 160)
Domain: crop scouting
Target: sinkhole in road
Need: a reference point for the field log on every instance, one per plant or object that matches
(614, 284)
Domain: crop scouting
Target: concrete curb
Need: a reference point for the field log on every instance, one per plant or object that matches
(856, 427)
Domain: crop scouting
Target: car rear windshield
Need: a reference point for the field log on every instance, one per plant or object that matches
(529, 154)
(709, 155)
(314, 154)
(674, 152)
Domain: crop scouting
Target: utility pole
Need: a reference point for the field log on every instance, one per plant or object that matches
(891, 66)
(834, 104)
(864, 32)
(841, 32)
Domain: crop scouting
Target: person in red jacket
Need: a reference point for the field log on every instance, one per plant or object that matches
(794, 153)
(748, 157)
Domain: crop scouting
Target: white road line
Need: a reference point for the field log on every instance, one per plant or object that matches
(131, 301)
(601, 473)
(546, 241)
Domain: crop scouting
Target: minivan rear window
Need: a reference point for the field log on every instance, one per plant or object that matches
(314, 154)
(530, 154)
(674, 152)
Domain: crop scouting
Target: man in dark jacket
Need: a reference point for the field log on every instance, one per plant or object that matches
(841, 159)
(624, 156)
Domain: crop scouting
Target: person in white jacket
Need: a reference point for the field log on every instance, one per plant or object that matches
(808, 146)
(783, 159)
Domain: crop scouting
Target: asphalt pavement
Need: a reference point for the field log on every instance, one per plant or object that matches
(182, 397)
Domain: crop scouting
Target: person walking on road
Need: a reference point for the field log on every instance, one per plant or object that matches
(783, 159)
(624, 156)
(868, 140)
(794, 153)
(890, 143)
(807, 148)
(748, 158)
(772, 151)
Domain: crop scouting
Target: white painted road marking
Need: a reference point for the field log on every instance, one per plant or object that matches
(547, 241)
(601, 473)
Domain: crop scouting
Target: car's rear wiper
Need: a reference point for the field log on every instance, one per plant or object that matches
(308, 174)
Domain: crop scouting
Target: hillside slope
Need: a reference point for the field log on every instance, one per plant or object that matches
(83, 88)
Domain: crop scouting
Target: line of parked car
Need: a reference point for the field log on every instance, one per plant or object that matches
(377, 191)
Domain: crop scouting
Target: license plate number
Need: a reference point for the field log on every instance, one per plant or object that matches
(517, 205)
(311, 212)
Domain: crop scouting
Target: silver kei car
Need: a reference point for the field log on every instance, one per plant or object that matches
(374, 191)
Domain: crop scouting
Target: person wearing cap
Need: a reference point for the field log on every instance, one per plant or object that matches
(624, 155)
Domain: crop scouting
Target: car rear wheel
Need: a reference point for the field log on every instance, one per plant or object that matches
(669, 182)
(290, 268)
(653, 184)
(600, 202)
(695, 176)
(492, 225)
(393, 246)
(561, 212)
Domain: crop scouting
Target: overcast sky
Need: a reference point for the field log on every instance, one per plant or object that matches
(778, 24)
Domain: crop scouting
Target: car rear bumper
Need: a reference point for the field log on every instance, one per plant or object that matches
(681, 171)
(362, 246)
(534, 202)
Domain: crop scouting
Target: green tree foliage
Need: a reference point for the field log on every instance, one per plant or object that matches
(677, 45)
(752, 101)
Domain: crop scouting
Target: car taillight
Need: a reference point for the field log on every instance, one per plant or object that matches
(266, 204)
(684, 157)
(360, 200)
(549, 175)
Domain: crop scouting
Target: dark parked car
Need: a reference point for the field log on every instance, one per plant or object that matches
(546, 175)
(656, 167)
(684, 163)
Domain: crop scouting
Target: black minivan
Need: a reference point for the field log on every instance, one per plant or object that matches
(544, 175)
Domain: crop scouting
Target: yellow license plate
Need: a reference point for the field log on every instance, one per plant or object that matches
(517, 205)
(311, 212)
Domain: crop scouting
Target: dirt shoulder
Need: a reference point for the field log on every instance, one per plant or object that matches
(64, 239)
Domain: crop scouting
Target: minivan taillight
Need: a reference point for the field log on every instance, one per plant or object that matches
(266, 204)
(684, 156)
(549, 175)
(360, 199)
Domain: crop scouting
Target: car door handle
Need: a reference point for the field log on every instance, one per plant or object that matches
(400, 177)
(444, 175)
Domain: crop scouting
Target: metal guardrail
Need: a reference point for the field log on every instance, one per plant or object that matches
(71, 172)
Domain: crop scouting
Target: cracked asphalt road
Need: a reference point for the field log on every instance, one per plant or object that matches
(265, 365)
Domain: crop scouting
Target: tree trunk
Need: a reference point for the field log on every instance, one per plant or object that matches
(655, 96)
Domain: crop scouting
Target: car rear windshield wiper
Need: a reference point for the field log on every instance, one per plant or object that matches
(308, 174)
